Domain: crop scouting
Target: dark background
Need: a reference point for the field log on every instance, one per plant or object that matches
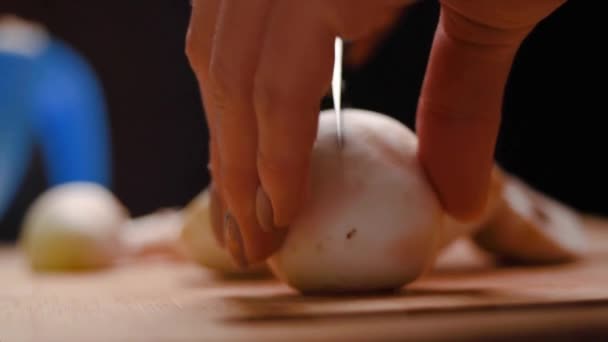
(552, 133)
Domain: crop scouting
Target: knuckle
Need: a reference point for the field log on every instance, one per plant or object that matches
(197, 57)
(273, 96)
(237, 177)
(480, 25)
(501, 15)
(216, 84)
(287, 157)
(450, 113)
(279, 109)
(231, 185)
(279, 165)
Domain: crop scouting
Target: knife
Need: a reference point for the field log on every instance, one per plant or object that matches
(336, 89)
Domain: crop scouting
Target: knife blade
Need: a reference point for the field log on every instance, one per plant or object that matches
(336, 89)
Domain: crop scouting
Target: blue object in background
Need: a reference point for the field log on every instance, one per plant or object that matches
(68, 116)
(15, 134)
(51, 99)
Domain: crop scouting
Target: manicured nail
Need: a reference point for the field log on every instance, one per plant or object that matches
(217, 216)
(234, 241)
(263, 210)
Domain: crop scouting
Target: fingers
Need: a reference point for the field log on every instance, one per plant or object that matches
(199, 43)
(232, 67)
(459, 109)
(262, 89)
(294, 72)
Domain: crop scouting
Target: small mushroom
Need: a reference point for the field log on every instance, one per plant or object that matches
(73, 226)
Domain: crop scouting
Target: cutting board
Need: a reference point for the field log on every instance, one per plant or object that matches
(467, 297)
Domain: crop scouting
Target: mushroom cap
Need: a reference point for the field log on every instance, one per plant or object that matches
(73, 226)
(372, 220)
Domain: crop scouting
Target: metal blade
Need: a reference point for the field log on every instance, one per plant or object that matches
(336, 89)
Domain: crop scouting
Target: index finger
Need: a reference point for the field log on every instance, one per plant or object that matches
(199, 40)
(234, 59)
(460, 107)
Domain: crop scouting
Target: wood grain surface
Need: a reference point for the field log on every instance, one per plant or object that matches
(467, 297)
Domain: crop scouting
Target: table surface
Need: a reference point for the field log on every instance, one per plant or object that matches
(466, 297)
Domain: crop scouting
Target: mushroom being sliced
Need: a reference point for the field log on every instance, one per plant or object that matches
(373, 222)
(530, 227)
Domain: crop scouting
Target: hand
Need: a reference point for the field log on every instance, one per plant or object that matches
(264, 65)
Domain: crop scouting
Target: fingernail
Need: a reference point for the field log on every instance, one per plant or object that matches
(234, 241)
(263, 210)
(217, 216)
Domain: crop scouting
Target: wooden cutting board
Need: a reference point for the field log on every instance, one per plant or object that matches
(467, 297)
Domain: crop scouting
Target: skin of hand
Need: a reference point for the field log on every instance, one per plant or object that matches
(264, 65)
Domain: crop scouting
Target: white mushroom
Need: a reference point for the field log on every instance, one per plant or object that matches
(73, 226)
(373, 222)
